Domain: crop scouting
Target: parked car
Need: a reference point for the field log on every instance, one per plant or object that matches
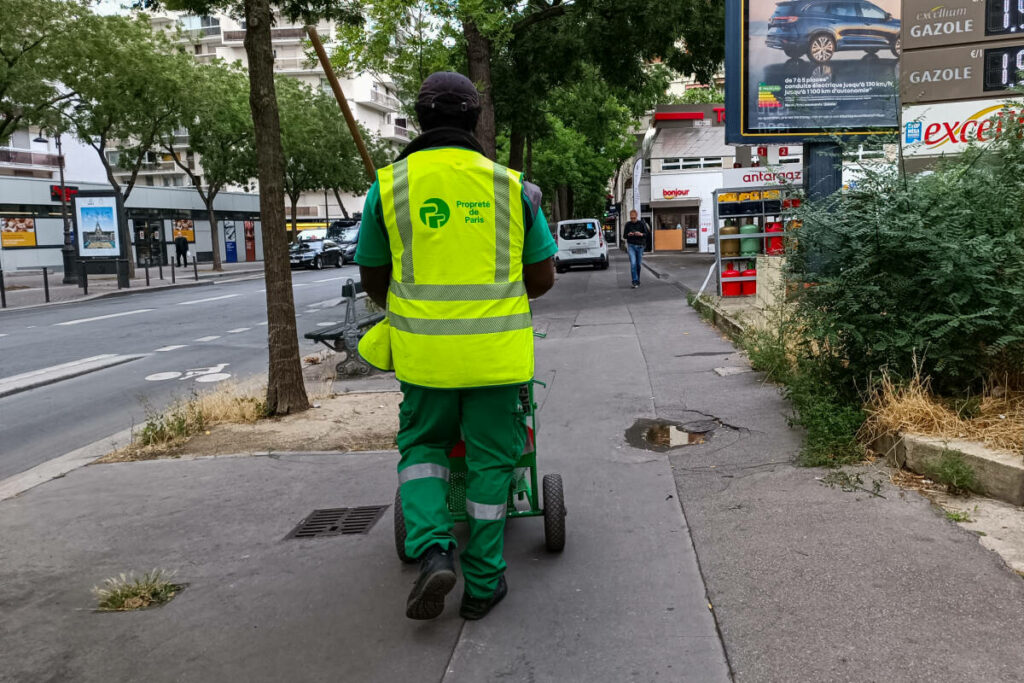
(820, 28)
(347, 238)
(316, 254)
(580, 243)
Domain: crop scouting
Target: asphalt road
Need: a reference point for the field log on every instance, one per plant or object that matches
(220, 327)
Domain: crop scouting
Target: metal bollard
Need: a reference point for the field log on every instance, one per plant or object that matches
(195, 268)
(3, 290)
(46, 284)
(160, 267)
(172, 272)
(147, 272)
(85, 278)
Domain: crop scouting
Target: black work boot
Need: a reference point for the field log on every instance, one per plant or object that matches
(477, 608)
(437, 578)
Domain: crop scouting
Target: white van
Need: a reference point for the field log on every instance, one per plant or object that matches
(580, 243)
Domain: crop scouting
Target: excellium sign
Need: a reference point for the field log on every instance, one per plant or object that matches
(927, 24)
(935, 129)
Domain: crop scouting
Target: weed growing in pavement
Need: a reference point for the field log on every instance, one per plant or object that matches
(830, 418)
(166, 429)
(125, 592)
(951, 471)
(958, 515)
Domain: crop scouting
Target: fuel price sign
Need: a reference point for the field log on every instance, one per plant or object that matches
(956, 22)
(1003, 67)
(961, 72)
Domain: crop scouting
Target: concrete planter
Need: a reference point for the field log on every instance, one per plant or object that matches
(1000, 473)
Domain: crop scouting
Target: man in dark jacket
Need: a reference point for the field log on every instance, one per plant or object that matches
(636, 233)
(181, 249)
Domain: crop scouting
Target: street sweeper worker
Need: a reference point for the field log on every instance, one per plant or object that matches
(454, 246)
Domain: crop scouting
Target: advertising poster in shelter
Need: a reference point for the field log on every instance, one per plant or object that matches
(184, 227)
(17, 232)
(812, 68)
(96, 219)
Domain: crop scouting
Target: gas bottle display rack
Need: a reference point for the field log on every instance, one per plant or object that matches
(760, 208)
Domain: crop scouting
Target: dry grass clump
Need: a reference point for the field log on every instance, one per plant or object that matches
(164, 431)
(125, 592)
(995, 418)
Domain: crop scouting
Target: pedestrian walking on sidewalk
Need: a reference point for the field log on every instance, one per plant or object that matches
(181, 249)
(454, 245)
(637, 234)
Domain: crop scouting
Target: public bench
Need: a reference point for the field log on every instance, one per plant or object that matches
(344, 337)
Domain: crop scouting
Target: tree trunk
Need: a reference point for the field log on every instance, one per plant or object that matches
(286, 391)
(341, 204)
(295, 218)
(214, 236)
(478, 52)
(529, 157)
(515, 151)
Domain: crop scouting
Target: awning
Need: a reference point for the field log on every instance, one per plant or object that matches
(675, 203)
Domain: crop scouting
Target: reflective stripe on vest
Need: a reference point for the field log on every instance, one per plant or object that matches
(457, 304)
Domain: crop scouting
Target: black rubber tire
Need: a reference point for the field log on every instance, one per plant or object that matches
(340, 261)
(896, 48)
(400, 529)
(560, 269)
(872, 51)
(554, 512)
(794, 53)
(317, 263)
(604, 265)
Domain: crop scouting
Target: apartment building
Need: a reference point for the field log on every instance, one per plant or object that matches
(373, 101)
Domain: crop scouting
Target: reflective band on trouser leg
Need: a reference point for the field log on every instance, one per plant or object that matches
(428, 423)
(495, 435)
(423, 471)
(485, 512)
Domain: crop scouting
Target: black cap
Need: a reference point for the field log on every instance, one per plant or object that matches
(448, 91)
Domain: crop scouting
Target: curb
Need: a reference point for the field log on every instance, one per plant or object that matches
(59, 466)
(203, 281)
(1000, 474)
(730, 327)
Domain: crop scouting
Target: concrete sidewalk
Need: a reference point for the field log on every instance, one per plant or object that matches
(805, 582)
(686, 271)
(25, 289)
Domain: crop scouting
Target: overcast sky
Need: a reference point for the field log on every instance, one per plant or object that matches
(111, 7)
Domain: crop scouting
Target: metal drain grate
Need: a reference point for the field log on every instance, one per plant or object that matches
(338, 521)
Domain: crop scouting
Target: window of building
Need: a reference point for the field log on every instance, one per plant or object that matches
(671, 164)
(647, 165)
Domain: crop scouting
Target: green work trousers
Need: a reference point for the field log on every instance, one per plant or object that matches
(431, 422)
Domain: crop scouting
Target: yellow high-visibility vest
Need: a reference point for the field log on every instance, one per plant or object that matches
(458, 314)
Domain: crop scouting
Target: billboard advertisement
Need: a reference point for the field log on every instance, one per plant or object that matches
(96, 220)
(799, 70)
(184, 227)
(17, 232)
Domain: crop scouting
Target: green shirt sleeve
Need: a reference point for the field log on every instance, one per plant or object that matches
(373, 248)
(539, 245)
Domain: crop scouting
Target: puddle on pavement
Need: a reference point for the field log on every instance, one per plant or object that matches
(663, 435)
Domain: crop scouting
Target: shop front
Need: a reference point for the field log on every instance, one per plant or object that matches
(682, 205)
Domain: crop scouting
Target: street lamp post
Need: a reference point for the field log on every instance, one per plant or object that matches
(67, 252)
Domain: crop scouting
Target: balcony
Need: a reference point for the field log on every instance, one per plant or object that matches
(380, 101)
(24, 157)
(291, 64)
(276, 35)
(395, 133)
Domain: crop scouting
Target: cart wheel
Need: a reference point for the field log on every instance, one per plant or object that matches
(400, 529)
(554, 512)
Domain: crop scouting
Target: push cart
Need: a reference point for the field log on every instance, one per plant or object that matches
(523, 498)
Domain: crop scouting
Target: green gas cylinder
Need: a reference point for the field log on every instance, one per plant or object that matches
(752, 246)
(729, 247)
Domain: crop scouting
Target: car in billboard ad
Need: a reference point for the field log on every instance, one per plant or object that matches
(799, 70)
